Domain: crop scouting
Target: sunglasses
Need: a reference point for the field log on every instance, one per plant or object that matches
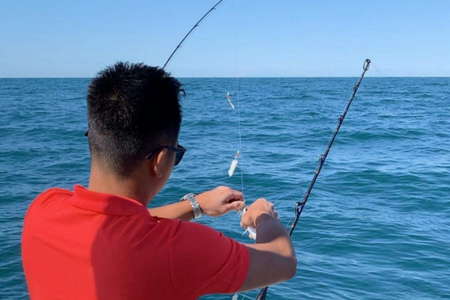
(179, 152)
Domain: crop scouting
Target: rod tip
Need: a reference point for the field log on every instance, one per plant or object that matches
(366, 65)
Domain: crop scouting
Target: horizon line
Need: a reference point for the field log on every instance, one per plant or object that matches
(244, 77)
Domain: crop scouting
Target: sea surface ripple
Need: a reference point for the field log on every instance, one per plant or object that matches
(378, 222)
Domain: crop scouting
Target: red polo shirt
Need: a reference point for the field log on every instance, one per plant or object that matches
(88, 245)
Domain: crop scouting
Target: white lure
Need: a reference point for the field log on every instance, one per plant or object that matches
(228, 96)
(251, 231)
(234, 164)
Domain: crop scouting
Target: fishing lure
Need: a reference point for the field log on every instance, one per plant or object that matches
(250, 231)
(229, 98)
(234, 164)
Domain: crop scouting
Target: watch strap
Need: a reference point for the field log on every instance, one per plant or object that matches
(196, 209)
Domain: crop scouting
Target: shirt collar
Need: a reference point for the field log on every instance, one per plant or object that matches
(105, 203)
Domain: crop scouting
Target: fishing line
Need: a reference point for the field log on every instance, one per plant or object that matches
(300, 205)
(235, 161)
(240, 131)
(237, 108)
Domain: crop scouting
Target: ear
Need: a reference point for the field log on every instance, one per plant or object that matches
(158, 163)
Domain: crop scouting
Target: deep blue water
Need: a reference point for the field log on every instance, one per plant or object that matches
(378, 222)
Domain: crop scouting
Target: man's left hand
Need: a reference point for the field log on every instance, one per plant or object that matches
(220, 200)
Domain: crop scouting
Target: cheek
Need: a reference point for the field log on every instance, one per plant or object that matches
(169, 165)
(167, 175)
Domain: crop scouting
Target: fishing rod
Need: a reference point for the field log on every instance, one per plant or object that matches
(301, 204)
(189, 32)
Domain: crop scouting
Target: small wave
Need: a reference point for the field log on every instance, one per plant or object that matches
(438, 84)
(384, 136)
(291, 97)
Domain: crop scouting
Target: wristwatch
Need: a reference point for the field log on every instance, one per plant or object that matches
(196, 209)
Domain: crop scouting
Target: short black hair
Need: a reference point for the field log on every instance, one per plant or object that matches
(132, 108)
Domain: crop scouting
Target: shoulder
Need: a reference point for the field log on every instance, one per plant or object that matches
(54, 192)
(49, 197)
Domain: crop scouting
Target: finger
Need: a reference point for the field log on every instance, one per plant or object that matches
(239, 205)
(236, 196)
(245, 221)
(223, 187)
(236, 205)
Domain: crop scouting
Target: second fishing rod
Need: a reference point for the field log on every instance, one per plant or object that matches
(300, 205)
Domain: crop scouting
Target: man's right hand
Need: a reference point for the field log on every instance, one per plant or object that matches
(259, 207)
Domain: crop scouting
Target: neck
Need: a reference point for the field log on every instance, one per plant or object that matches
(103, 181)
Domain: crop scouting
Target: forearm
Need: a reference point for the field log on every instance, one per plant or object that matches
(180, 210)
(272, 258)
(271, 232)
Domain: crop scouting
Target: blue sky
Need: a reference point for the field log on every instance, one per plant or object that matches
(241, 38)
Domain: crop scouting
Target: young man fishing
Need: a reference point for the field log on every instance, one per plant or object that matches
(101, 242)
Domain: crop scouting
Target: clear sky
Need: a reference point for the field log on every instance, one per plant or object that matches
(241, 38)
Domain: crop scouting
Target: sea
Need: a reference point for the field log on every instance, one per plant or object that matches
(377, 224)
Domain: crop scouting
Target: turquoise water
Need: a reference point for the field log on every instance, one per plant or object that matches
(378, 222)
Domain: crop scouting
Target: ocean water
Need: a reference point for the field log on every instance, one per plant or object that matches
(377, 225)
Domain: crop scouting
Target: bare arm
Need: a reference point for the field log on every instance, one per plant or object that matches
(213, 203)
(272, 257)
(180, 210)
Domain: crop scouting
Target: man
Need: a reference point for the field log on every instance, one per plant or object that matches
(101, 242)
